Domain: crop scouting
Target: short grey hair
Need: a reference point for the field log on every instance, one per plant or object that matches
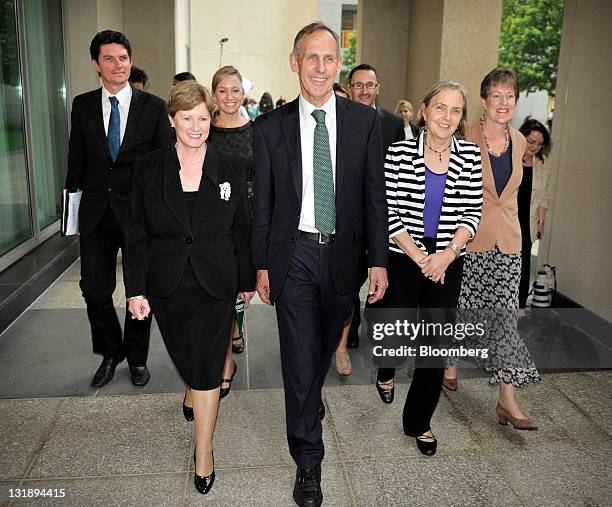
(437, 88)
(312, 28)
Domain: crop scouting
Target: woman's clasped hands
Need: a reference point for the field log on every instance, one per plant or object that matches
(433, 266)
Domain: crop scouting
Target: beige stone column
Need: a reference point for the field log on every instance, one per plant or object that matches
(578, 235)
(452, 39)
(382, 41)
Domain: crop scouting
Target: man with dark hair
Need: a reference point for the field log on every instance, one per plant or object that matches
(320, 221)
(138, 78)
(111, 127)
(183, 76)
(364, 87)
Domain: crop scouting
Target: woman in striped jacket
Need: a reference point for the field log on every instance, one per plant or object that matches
(434, 195)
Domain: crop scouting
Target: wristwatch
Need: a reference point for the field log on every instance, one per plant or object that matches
(455, 248)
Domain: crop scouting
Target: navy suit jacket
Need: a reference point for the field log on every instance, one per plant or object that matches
(361, 207)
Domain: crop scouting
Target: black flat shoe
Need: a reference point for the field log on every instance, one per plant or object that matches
(425, 446)
(106, 371)
(203, 483)
(140, 375)
(386, 395)
(307, 488)
(187, 411)
(224, 391)
(238, 345)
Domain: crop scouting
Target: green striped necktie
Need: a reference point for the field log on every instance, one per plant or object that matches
(324, 197)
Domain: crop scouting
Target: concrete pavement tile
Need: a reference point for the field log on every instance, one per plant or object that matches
(63, 295)
(115, 435)
(367, 428)
(24, 425)
(251, 430)
(591, 392)
(424, 481)
(559, 474)
(557, 417)
(130, 490)
(268, 486)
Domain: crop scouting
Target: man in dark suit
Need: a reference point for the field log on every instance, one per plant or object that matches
(364, 86)
(111, 127)
(320, 221)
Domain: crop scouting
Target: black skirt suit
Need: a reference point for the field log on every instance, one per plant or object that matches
(188, 253)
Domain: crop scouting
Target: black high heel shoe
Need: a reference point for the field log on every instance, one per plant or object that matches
(203, 483)
(187, 411)
(224, 391)
(386, 395)
(238, 344)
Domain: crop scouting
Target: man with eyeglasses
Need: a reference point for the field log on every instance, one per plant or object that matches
(364, 86)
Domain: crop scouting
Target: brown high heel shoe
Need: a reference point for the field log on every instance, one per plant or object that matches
(503, 416)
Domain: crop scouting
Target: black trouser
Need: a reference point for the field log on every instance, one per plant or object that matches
(310, 316)
(525, 274)
(408, 288)
(98, 279)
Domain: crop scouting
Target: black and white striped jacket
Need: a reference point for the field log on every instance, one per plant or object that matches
(405, 185)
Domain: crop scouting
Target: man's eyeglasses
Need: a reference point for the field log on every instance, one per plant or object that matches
(360, 86)
(531, 142)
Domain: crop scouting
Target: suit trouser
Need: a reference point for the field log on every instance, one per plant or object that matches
(408, 288)
(98, 279)
(310, 316)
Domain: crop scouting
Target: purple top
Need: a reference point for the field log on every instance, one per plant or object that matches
(434, 193)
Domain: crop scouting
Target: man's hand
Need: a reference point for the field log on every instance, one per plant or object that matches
(246, 297)
(139, 308)
(263, 285)
(378, 284)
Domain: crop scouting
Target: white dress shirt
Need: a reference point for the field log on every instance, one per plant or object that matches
(307, 128)
(125, 98)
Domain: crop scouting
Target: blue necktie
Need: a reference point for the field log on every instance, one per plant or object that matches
(114, 129)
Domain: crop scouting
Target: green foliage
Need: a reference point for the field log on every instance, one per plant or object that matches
(351, 53)
(529, 42)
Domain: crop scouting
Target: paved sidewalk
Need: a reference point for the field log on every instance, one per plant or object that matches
(122, 445)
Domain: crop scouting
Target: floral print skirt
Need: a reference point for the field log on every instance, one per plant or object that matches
(489, 294)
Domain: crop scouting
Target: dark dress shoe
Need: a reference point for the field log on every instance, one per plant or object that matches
(224, 391)
(238, 345)
(321, 411)
(307, 489)
(106, 371)
(386, 395)
(425, 446)
(187, 411)
(203, 483)
(140, 375)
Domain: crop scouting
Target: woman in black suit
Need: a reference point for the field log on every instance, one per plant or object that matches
(188, 255)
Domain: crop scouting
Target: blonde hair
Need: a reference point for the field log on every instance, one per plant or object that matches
(406, 104)
(222, 73)
(187, 95)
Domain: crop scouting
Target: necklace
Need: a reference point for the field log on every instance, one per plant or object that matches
(191, 162)
(507, 143)
(438, 152)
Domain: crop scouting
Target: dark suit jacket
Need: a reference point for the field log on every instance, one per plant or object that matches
(392, 128)
(361, 208)
(160, 237)
(90, 166)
